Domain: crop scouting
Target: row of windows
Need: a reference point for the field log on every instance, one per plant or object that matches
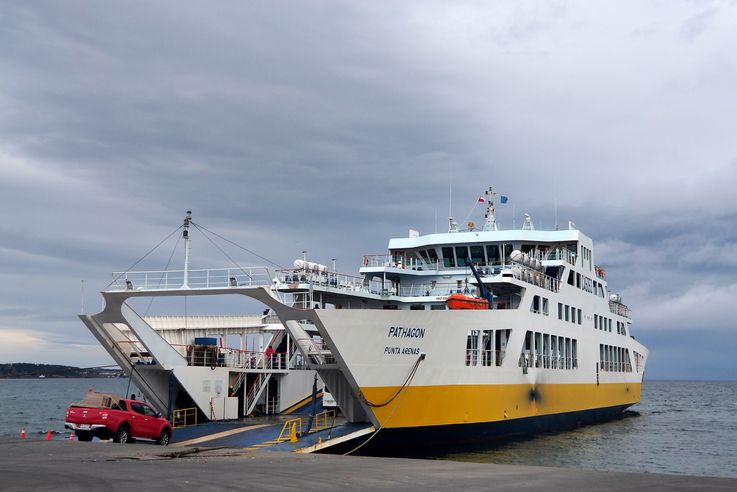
(585, 283)
(549, 351)
(586, 256)
(456, 256)
(569, 313)
(614, 359)
(602, 323)
(539, 305)
(486, 347)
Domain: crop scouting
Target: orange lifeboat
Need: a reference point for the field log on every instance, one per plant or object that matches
(462, 301)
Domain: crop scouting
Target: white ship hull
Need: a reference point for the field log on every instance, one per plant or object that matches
(445, 391)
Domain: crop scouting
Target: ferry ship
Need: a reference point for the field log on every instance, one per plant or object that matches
(406, 347)
(447, 339)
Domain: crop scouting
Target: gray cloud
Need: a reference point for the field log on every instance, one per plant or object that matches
(332, 126)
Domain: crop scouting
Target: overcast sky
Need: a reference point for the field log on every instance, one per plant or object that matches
(333, 126)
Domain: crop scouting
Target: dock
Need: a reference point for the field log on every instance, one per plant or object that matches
(269, 435)
(80, 466)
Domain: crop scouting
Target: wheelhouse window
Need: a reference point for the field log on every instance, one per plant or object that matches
(477, 254)
(448, 258)
(508, 248)
(461, 255)
(492, 253)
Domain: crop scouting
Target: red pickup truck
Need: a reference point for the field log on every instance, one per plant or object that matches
(108, 416)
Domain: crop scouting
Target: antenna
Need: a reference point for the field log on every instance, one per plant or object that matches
(82, 294)
(450, 191)
(185, 236)
(556, 214)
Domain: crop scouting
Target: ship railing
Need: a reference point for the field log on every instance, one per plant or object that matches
(616, 366)
(183, 417)
(483, 357)
(213, 356)
(619, 308)
(542, 361)
(535, 277)
(324, 279)
(196, 279)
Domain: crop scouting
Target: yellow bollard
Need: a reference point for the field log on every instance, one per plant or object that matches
(293, 433)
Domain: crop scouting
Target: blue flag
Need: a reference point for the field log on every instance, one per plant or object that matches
(503, 199)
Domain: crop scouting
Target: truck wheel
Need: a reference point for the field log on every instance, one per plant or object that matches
(163, 439)
(84, 436)
(122, 435)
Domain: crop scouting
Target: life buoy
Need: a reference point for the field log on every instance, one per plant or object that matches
(365, 261)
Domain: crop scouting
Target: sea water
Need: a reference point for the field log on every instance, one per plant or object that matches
(679, 427)
(39, 405)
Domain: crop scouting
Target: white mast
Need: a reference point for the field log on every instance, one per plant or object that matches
(185, 236)
(490, 224)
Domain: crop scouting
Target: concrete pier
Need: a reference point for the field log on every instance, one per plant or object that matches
(99, 466)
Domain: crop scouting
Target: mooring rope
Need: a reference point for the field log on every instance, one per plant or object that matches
(406, 384)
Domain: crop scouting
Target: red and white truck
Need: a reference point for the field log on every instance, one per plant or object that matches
(107, 416)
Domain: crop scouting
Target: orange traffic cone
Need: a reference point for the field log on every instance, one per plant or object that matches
(71, 436)
(48, 436)
(23, 433)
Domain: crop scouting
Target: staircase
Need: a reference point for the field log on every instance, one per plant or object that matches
(263, 378)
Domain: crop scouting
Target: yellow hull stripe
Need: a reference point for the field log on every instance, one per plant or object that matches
(465, 404)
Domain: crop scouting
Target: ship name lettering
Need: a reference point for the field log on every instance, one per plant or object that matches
(401, 350)
(404, 332)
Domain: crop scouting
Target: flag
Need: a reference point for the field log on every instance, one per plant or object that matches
(481, 199)
(503, 199)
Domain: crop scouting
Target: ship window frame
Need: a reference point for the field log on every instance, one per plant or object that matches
(448, 261)
(501, 340)
(472, 347)
(461, 262)
(492, 259)
(507, 248)
(574, 354)
(477, 259)
(487, 348)
(535, 305)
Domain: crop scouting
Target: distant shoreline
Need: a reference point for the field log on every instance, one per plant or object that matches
(26, 370)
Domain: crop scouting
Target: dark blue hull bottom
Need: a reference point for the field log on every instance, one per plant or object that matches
(439, 440)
